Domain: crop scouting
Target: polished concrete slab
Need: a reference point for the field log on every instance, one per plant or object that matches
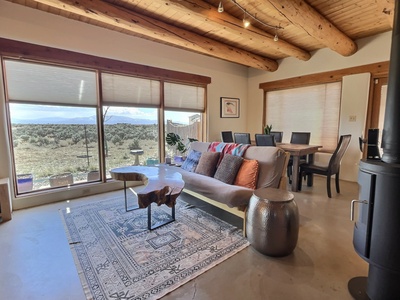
(36, 262)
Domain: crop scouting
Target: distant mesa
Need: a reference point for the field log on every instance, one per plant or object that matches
(84, 121)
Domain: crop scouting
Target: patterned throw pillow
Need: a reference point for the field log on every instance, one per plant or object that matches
(248, 174)
(191, 161)
(207, 163)
(228, 168)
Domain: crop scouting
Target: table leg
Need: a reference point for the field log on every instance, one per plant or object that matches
(295, 175)
(157, 225)
(310, 177)
(126, 201)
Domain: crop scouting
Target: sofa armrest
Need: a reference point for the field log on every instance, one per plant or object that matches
(284, 179)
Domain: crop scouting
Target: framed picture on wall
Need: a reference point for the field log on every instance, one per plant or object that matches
(230, 107)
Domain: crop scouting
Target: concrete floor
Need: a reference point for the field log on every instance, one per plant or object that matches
(36, 262)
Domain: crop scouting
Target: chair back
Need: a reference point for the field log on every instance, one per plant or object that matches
(334, 162)
(278, 136)
(227, 136)
(265, 140)
(242, 138)
(300, 138)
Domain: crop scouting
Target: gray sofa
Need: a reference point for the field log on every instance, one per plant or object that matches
(272, 173)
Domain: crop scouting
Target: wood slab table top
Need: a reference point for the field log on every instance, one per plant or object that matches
(163, 184)
(298, 149)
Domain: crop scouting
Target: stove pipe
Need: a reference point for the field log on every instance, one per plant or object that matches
(391, 128)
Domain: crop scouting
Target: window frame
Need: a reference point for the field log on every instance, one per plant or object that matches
(16, 50)
(325, 92)
(378, 69)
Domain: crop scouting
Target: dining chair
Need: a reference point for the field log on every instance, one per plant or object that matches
(298, 138)
(278, 135)
(333, 168)
(242, 138)
(227, 136)
(265, 140)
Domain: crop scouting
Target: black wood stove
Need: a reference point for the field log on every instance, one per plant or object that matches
(377, 230)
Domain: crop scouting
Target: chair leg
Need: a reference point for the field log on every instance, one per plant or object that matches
(300, 182)
(328, 185)
(289, 174)
(337, 183)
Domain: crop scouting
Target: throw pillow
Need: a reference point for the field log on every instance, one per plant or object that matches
(207, 163)
(191, 161)
(228, 168)
(248, 174)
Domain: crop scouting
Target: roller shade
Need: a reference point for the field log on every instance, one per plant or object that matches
(40, 83)
(315, 109)
(119, 89)
(184, 97)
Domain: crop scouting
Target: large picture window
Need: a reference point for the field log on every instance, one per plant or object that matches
(320, 111)
(184, 107)
(70, 125)
(53, 125)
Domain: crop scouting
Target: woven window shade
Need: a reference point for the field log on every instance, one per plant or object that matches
(184, 97)
(314, 109)
(40, 83)
(119, 89)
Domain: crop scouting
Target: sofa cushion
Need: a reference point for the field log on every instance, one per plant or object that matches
(228, 168)
(247, 175)
(209, 187)
(191, 161)
(208, 163)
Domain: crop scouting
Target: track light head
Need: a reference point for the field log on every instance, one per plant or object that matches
(220, 7)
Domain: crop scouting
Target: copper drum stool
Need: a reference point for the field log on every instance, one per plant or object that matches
(272, 222)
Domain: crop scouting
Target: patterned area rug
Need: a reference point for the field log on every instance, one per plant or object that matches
(117, 257)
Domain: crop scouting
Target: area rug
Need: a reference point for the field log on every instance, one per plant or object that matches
(117, 257)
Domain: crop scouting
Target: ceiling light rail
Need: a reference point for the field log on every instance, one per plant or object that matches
(246, 21)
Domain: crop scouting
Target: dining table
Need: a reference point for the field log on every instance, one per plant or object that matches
(297, 151)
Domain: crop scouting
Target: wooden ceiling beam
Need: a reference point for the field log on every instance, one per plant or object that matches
(143, 26)
(387, 8)
(233, 26)
(303, 16)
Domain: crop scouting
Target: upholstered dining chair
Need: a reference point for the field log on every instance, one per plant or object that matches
(298, 138)
(265, 140)
(278, 135)
(242, 138)
(227, 136)
(333, 168)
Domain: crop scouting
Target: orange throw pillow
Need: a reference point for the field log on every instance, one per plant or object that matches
(248, 174)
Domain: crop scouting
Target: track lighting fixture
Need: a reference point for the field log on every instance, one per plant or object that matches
(276, 38)
(246, 21)
(220, 7)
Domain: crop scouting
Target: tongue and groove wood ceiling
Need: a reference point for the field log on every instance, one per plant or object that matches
(196, 25)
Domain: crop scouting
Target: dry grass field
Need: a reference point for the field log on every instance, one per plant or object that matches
(46, 150)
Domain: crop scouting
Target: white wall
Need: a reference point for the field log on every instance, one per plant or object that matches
(354, 100)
